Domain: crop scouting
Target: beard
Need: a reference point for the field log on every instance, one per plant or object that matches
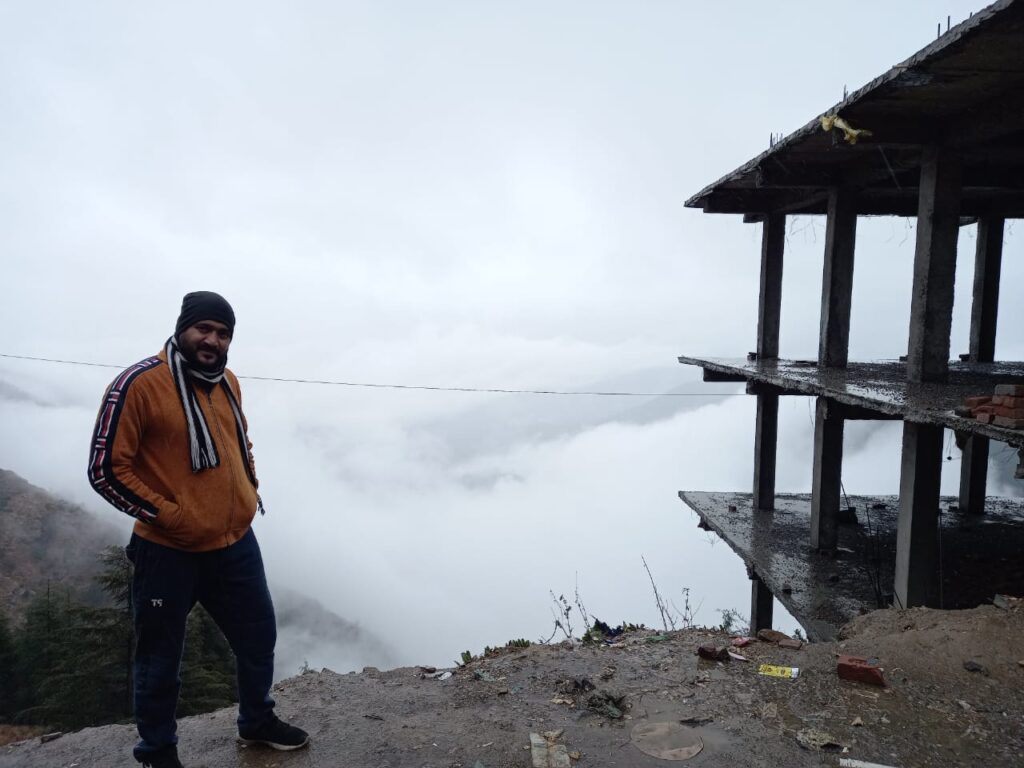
(191, 355)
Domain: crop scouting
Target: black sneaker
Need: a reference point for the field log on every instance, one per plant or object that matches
(275, 733)
(163, 758)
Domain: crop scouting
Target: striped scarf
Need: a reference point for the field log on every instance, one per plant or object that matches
(201, 446)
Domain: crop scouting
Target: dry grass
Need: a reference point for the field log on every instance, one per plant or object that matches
(12, 733)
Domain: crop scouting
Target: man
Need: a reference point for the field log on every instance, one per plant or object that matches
(170, 449)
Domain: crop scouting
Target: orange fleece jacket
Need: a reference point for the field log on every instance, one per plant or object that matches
(140, 461)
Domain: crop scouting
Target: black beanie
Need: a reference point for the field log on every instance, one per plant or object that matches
(204, 305)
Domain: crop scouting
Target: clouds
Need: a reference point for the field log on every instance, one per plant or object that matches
(445, 194)
(479, 558)
(521, 169)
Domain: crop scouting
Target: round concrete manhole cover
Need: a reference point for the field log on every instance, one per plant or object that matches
(666, 741)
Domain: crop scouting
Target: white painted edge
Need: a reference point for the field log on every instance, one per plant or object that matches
(846, 762)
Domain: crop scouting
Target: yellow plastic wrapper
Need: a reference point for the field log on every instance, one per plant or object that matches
(850, 134)
(775, 671)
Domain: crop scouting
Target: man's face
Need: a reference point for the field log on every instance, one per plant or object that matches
(205, 344)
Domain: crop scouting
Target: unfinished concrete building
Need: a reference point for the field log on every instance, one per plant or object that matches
(939, 137)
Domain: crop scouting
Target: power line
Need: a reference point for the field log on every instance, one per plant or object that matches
(424, 387)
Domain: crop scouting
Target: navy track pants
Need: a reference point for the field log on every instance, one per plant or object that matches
(231, 585)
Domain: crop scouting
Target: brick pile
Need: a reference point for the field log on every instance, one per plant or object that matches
(1005, 408)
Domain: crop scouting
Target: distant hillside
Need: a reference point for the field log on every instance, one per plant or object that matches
(45, 540)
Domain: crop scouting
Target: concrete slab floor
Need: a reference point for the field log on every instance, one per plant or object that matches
(882, 386)
(980, 555)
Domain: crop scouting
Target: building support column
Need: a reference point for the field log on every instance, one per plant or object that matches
(837, 279)
(917, 537)
(973, 475)
(985, 306)
(931, 304)
(833, 352)
(762, 603)
(931, 313)
(826, 485)
(988, 261)
(766, 434)
(773, 237)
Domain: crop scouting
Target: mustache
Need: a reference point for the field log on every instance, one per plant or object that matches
(207, 347)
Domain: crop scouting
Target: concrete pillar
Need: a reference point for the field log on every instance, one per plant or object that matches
(773, 236)
(917, 538)
(931, 315)
(762, 603)
(826, 484)
(938, 225)
(973, 475)
(765, 447)
(833, 352)
(769, 305)
(988, 258)
(837, 279)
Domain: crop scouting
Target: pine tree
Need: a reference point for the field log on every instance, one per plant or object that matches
(70, 665)
(37, 648)
(91, 679)
(116, 580)
(76, 693)
(7, 667)
(207, 669)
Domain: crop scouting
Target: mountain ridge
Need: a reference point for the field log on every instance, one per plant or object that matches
(48, 542)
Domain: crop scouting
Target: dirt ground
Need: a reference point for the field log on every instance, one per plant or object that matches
(933, 712)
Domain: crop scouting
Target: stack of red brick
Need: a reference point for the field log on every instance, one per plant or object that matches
(1003, 409)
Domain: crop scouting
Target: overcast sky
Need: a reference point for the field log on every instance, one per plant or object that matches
(469, 194)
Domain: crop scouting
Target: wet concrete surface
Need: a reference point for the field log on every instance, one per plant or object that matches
(980, 554)
(883, 386)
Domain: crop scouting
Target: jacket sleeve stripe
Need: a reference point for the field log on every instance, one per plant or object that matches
(101, 473)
